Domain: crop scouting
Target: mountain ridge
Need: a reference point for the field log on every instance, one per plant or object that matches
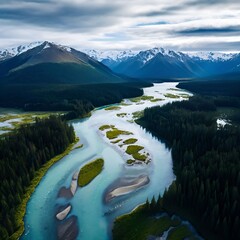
(155, 63)
(161, 63)
(34, 65)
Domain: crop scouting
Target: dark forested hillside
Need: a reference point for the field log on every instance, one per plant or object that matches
(22, 153)
(206, 163)
(66, 97)
(223, 85)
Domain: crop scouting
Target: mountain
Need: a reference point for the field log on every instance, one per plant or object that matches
(47, 62)
(162, 63)
(46, 76)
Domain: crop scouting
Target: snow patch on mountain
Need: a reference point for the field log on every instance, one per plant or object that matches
(114, 55)
(144, 56)
(47, 45)
(11, 52)
(211, 56)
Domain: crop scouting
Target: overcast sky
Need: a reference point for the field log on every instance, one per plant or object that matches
(183, 25)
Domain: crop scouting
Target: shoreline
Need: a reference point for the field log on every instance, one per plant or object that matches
(21, 209)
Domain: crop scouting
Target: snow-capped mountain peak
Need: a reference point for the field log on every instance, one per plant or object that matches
(11, 52)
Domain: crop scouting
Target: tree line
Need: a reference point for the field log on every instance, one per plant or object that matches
(206, 164)
(22, 153)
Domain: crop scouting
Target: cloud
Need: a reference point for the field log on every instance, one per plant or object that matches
(54, 15)
(210, 31)
(140, 24)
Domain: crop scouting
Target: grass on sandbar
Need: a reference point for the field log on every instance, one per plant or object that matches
(139, 99)
(130, 141)
(116, 141)
(112, 108)
(104, 127)
(156, 100)
(130, 161)
(139, 156)
(89, 171)
(134, 151)
(184, 95)
(121, 114)
(114, 133)
(170, 95)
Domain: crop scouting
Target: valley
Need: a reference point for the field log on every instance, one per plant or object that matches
(138, 130)
(116, 175)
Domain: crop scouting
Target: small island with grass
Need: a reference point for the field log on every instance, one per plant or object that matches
(89, 171)
(134, 154)
(170, 95)
(112, 108)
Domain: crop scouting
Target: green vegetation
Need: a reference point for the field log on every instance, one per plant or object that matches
(114, 133)
(206, 163)
(116, 141)
(151, 219)
(104, 127)
(90, 171)
(179, 233)
(6, 128)
(137, 114)
(77, 99)
(125, 104)
(20, 119)
(156, 100)
(121, 114)
(24, 158)
(130, 161)
(170, 95)
(79, 146)
(227, 85)
(184, 95)
(112, 108)
(142, 98)
(21, 209)
(176, 89)
(140, 157)
(134, 151)
(140, 224)
(130, 141)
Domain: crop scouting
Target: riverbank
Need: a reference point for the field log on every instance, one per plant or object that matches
(144, 223)
(21, 210)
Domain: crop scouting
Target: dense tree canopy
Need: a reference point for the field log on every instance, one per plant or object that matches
(206, 162)
(22, 153)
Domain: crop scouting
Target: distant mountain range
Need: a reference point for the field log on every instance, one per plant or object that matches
(45, 62)
(161, 63)
(49, 62)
